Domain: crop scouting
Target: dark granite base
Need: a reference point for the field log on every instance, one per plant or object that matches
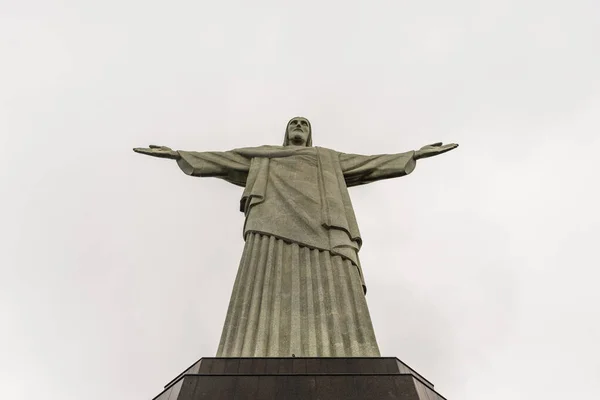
(299, 378)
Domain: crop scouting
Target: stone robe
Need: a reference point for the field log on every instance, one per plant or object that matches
(299, 288)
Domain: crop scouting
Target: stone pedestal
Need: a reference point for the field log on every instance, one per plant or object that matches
(299, 378)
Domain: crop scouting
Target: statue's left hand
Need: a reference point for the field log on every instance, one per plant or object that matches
(158, 151)
(433, 150)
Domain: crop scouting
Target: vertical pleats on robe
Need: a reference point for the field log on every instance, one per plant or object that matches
(289, 299)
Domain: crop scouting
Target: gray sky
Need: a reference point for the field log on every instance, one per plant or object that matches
(482, 265)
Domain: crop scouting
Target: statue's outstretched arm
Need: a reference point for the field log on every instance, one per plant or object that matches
(227, 165)
(360, 169)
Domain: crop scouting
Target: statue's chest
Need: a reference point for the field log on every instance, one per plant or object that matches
(294, 177)
(297, 168)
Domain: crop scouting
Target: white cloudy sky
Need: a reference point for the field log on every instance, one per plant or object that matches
(482, 265)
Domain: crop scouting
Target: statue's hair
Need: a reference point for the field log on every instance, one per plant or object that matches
(286, 140)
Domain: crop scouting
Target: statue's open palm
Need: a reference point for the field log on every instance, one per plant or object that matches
(434, 149)
(158, 151)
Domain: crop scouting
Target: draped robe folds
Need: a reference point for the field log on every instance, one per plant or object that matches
(299, 288)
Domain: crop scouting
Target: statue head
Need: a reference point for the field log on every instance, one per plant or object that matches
(298, 132)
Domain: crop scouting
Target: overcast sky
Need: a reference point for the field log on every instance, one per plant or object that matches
(482, 265)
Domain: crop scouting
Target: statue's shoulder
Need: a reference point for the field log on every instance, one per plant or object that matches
(258, 151)
(325, 149)
(270, 151)
(264, 147)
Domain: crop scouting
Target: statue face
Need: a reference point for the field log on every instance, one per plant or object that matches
(298, 130)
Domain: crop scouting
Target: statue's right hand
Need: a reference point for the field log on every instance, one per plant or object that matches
(158, 151)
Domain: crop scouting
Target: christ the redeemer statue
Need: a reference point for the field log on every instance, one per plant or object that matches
(299, 289)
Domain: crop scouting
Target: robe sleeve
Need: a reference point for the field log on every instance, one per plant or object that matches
(359, 169)
(227, 165)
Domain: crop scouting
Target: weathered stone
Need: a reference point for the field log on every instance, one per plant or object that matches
(299, 288)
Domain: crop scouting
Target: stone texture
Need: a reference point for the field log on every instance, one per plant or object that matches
(296, 199)
(288, 299)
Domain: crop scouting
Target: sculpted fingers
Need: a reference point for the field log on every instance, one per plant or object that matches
(445, 148)
(153, 146)
(434, 149)
(157, 151)
(142, 150)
